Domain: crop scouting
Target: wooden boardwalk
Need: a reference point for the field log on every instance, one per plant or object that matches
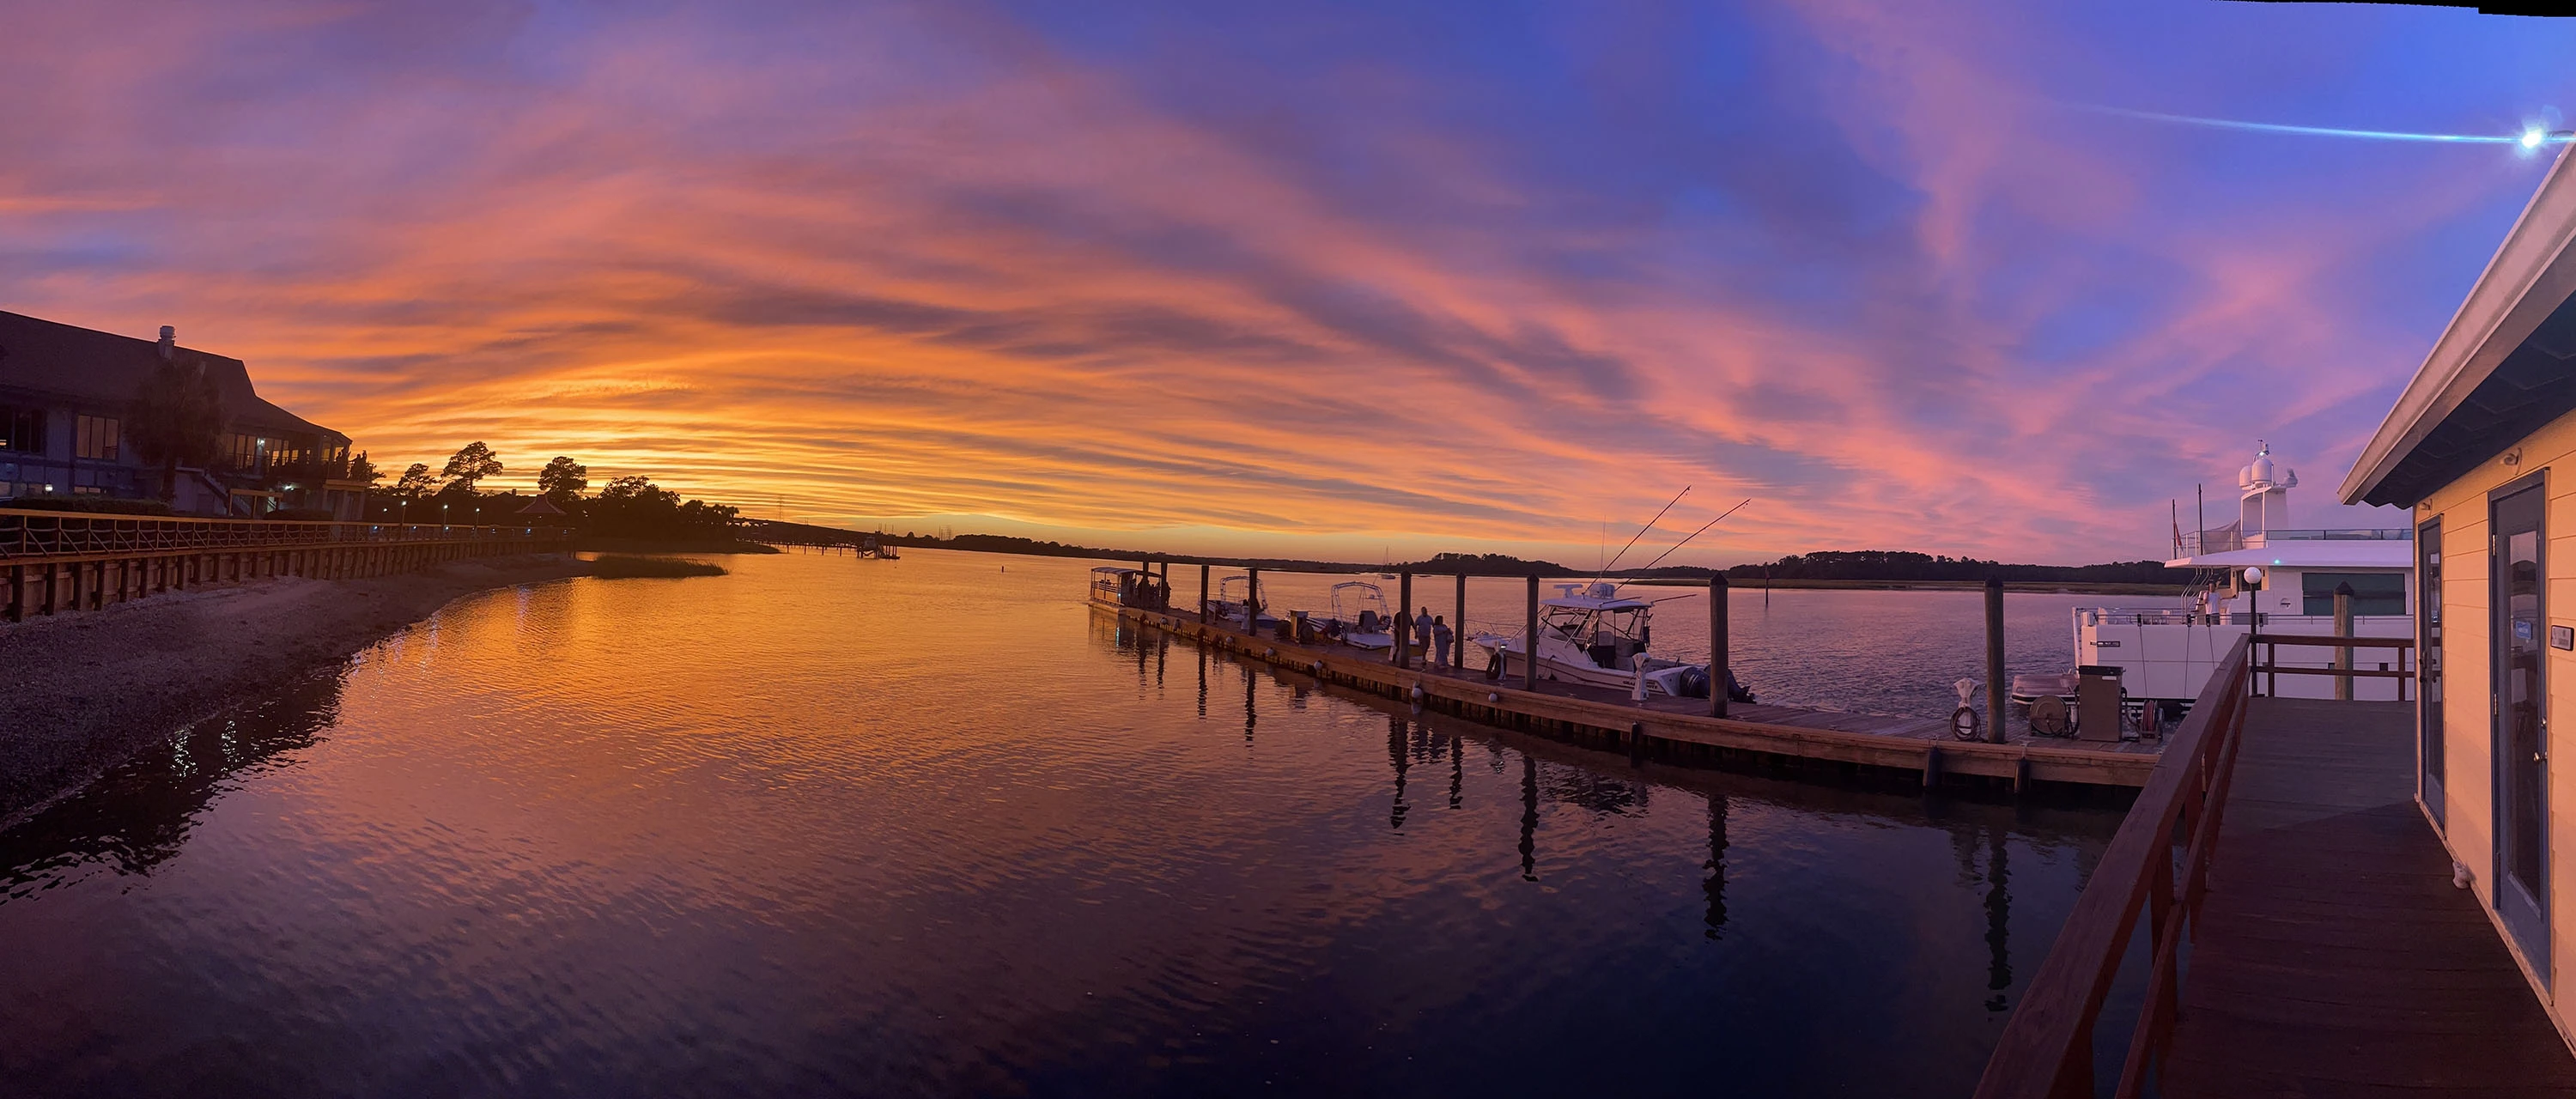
(2332, 955)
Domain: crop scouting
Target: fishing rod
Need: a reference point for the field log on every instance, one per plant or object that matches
(1641, 531)
(1694, 534)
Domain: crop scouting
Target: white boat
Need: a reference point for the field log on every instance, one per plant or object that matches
(1227, 604)
(2257, 568)
(1592, 635)
(869, 547)
(1358, 617)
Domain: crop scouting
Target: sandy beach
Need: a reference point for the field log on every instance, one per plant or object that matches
(95, 687)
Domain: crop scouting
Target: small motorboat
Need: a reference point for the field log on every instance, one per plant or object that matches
(1358, 618)
(1227, 604)
(1592, 635)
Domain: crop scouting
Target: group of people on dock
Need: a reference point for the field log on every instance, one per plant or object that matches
(1431, 633)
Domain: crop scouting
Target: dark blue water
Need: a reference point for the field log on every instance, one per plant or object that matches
(932, 828)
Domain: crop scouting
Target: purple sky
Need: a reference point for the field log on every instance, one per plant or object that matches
(1308, 278)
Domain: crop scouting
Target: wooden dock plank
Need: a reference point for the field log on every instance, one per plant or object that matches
(2332, 955)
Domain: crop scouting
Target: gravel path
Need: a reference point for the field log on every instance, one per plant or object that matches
(87, 690)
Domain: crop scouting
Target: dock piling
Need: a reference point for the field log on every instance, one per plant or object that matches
(1717, 654)
(1995, 697)
(1529, 640)
(1458, 629)
(1252, 601)
(1203, 593)
(1404, 619)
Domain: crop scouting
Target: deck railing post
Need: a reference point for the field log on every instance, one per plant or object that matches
(2343, 628)
(1529, 640)
(1717, 645)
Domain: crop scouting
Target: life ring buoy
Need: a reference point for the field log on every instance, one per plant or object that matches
(1963, 723)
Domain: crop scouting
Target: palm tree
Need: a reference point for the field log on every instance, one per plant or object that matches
(177, 419)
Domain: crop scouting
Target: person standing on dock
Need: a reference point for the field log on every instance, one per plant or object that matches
(1422, 629)
(1440, 641)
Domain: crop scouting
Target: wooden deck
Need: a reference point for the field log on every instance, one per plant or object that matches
(1680, 730)
(2332, 955)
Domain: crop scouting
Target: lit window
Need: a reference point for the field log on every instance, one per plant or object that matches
(95, 437)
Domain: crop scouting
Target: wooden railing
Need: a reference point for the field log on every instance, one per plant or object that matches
(2046, 1051)
(34, 534)
(2273, 667)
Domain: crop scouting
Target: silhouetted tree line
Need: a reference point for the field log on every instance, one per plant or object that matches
(1907, 565)
(628, 507)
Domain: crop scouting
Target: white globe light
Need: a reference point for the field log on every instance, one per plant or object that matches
(2253, 574)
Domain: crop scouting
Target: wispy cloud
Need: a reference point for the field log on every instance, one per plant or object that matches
(1329, 280)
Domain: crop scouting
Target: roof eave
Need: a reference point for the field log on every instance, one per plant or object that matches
(2531, 273)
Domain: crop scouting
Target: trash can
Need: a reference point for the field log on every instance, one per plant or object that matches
(2097, 702)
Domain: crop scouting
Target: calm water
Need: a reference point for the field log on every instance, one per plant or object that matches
(930, 827)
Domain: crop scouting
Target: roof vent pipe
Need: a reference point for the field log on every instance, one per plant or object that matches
(169, 339)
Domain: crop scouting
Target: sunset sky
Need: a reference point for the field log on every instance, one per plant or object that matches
(1307, 279)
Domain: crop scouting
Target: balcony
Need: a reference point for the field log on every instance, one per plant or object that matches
(2302, 932)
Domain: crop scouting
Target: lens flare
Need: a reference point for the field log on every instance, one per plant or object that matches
(2529, 138)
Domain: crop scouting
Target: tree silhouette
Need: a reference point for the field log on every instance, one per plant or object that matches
(562, 480)
(177, 419)
(473, 463)
(415, 482)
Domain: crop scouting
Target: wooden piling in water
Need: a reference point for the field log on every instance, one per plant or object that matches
(1404, 619)
(1458, 630)
(1252, 601)
(1996, 700)
(1717, 654)
(1529, 641)
(1203, 593)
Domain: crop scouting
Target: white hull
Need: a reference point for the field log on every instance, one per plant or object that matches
(2171, 657)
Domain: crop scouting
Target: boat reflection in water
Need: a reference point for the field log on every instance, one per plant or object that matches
(716, 836)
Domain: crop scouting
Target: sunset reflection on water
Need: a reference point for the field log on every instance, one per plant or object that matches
(934, 827)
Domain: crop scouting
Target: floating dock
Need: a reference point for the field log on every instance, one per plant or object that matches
(1668, 730)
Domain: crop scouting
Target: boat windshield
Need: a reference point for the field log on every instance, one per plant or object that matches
(1592, 625)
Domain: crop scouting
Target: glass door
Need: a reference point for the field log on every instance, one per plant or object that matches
(2428, 664)
(2521, 724)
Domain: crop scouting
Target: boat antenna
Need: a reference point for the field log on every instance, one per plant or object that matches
(1702, 530)
(1641, 531)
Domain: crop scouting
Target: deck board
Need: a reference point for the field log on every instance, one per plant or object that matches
(2332, 955)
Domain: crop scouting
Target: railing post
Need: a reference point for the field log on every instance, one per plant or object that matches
(2343, 629)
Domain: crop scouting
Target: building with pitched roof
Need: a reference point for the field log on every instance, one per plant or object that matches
(2482, 446)
(66, 393)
